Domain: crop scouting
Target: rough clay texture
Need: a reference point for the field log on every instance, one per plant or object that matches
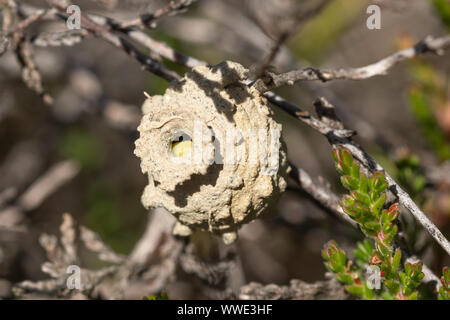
(208, 195)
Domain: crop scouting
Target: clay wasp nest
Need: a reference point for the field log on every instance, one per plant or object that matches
(212, 151)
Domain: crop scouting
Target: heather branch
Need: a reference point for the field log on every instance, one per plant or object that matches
(307, 118)
(155, 46)
(30, 73)
(429, 44)
(147, 62)
(323, 196)
(330, 202)
(402, 195)
(62, 253)
(337, 138)
(259, 68)
(148, 20)
(214, 274)
(38, 14)
(365, 204)
(296, 290)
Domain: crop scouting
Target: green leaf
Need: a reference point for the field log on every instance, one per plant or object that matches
(385, 251)
(354, 170)
(346, 158)
(353, 212)
(446, 275)
(387, 295)
(340, 258)
(396, 259)
(392, 286)
(390, 234)
(368, 293)
(374, 226)
(413, 296)
(349, 183)
(444, 294)
(376, 205)
(393, 212)
(363, 183)
(344, 278)
(335, 155)
(356, 290)
(361, 197)
(408, 268)
(380, 184)
(161, 296)
(364, 250)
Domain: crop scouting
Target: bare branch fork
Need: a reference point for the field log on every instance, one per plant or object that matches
(147, 62)
(156, 243)
(157, 47)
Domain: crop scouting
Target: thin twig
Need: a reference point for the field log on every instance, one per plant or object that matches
(306, 117)
(320, 194)
(58, 175)
(158, 47)
(147, 62)
(38, 14)
(429, 44)
(259, 69)
(159, 227)
(148, 20)
(30, 73)
(52, 180)
(296, 290)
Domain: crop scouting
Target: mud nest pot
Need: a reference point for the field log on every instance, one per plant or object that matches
(212, 151)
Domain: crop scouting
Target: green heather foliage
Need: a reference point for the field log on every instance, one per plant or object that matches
(410, 176)
(428, 93)
(365, 204)
(162, 296)
(444, 291)
(420, 101)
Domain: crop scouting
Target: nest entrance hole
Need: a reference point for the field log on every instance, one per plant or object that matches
(181, 144)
